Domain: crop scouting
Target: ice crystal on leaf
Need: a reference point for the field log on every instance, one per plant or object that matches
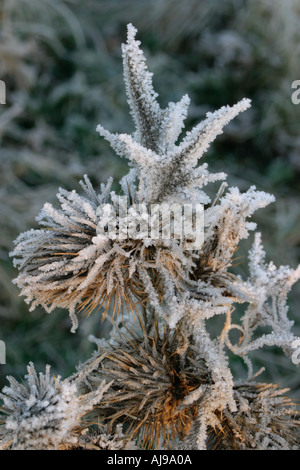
(170, 383)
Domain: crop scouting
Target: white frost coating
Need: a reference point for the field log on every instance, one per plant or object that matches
(165, 169)
(271, 286)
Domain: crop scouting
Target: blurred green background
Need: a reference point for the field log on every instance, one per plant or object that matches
(61, 62)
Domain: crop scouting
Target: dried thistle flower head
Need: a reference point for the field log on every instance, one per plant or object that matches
(155, 374)
(265, 420)
(71, 263)
(44, 412)
(40, 413)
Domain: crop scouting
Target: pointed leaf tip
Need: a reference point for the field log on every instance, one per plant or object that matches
(131, 32)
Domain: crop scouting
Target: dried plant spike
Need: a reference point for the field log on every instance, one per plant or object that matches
(165, 169)
(144, 107)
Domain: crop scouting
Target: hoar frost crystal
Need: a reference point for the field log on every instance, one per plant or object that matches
(161, 380)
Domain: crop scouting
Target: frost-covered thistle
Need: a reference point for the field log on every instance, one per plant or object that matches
(44, 412)
(171, 383)
(265, 419)
(71, 263)
(153, 370)
(67, 264)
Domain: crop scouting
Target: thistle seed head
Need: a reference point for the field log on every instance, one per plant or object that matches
(39, 413)
(152, 374)
(69, 264)
(265, 420)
